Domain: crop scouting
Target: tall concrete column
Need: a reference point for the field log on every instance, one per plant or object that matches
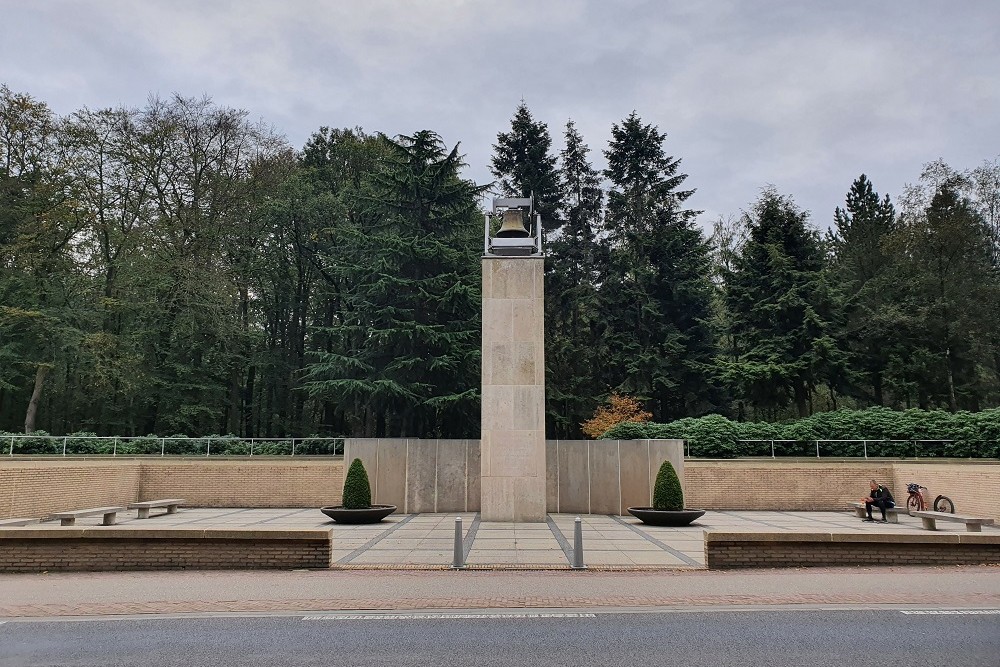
(513, 411)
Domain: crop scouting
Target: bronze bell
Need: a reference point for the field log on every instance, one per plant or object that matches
(512, 225)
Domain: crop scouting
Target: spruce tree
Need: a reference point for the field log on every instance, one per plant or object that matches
(861, 264)
(574, 267)
(657, 295)
(780, 307)
(524, 165)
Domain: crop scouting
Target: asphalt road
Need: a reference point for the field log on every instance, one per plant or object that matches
(693, 639)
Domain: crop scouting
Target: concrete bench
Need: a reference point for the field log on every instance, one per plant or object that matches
(69, 518)
(170, 503)
(891, 513)
(973, 524)
(17, 523)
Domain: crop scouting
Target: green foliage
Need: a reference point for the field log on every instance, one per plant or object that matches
(667, 493)
(781, 309)
(574, 264)
(714, 436)
(524, 166)
(357, 491)
(178, 268)
(656, 297)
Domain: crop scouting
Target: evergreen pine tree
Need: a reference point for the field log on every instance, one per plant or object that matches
(574, 265)
(780, 307)
(657, 295)
(861, 264)
(524, 165)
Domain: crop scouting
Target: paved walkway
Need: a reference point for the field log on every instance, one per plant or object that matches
(426, 541)
(276, 592)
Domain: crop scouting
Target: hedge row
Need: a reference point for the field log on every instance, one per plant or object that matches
(175, 445)
(961, 434)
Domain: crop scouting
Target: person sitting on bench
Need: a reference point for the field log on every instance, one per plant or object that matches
(881, 498)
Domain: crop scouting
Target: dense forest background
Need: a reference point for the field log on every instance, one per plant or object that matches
(179, 269)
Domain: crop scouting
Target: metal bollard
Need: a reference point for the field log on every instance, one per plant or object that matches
(578, 545)
(458, 560)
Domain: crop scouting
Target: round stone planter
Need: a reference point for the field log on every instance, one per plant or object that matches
(372, 514)
(665, 517)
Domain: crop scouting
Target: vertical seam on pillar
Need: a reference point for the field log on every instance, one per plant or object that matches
(619, 442)
(436, 441)
(649, 471)
(558, 480)
(467, 442)
(406, 475)
(378, 443)
(587, 443)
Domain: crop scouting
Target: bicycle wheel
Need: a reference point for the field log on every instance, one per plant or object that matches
(944, 504)
(913, 504)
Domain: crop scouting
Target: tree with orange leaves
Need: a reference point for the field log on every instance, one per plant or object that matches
(619, 409)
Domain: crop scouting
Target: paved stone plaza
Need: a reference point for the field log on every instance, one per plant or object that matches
(427, 540)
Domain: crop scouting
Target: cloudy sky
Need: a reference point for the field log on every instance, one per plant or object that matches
(802, 95)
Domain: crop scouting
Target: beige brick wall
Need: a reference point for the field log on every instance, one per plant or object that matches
(245, 483)
(39, 488)
(82, 550)
(975, 489)
(780, 485)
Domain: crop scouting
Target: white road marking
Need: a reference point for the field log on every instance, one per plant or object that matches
(952, 612)
(416, 617)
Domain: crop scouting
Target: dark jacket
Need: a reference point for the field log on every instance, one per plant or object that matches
(882, 493)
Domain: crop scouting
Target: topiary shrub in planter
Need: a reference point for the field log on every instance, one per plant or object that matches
(667, 493)
(668, 502)
(356, 501)
(357, 489)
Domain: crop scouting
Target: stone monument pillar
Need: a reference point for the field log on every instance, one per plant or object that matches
(513, 371)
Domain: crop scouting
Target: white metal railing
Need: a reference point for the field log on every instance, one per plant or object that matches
(864, 445)
(114, 446)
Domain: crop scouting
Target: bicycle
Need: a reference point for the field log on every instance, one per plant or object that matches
(915, 501)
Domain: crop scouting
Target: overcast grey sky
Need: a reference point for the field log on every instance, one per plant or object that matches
(803, 95)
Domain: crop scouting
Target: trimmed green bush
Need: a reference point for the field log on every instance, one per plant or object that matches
(667, 494)
(888, 432)
(357, 491)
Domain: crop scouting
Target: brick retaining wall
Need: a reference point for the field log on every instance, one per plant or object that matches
(244, 482)
(40, 488)
(774, 550)
(780, 485)
(106, 549)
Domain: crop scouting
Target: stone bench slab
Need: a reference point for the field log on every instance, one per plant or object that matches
(143, 507)
(973, 524)
(891, 513)
(69, 518)
(17, 523)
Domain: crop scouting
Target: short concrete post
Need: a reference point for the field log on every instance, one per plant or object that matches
(458, 559)
(578, 545)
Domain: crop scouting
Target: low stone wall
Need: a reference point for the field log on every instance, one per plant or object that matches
(585, 476)
(106, 549)
(600, 477)
(765, 550)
